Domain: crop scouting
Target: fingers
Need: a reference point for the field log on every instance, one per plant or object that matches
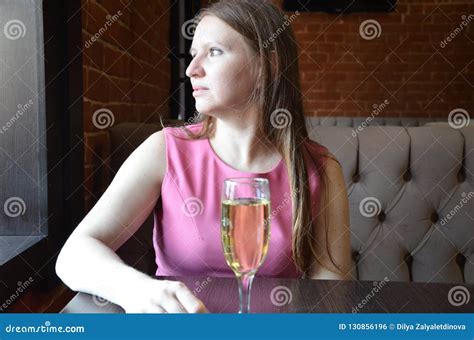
(156, 309)
(172, 305)
(165, 297)
(149, 309)
(160, 310)
(189, 301)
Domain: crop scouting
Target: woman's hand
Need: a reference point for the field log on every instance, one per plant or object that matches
(163, 296)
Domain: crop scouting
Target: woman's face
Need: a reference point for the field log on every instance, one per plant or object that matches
(223, 64)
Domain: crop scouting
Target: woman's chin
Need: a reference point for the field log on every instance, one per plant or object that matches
(206, 111)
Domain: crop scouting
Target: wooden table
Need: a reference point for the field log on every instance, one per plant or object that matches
(220, 295)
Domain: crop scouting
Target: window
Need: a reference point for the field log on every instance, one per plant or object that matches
(23, 219)
(41, 134)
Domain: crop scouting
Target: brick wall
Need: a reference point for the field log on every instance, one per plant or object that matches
(126, 75)
(343, 74)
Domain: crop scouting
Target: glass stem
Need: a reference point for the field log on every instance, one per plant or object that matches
(245, 287)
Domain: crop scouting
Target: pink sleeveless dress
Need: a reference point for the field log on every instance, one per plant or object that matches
(186, 234)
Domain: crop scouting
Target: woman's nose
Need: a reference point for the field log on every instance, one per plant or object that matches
(194, 68)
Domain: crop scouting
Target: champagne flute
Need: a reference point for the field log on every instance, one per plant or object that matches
(245, 230)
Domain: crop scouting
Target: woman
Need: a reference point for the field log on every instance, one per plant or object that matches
(245, 80)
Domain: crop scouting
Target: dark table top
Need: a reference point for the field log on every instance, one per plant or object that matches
(270, 295)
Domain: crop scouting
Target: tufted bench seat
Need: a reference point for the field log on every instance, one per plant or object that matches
(312, 122)
(411, 198)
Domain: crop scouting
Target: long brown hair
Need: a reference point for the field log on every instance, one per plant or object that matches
(277, 96)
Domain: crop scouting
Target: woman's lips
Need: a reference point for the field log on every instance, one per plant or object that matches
(198, 92)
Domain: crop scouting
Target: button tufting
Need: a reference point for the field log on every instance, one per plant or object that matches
(460, 260)
(381, 216)
(407, 176)
(434, 217)
(356, 178)
(356, 257)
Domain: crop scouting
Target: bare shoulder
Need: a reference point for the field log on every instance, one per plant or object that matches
(156, 141)
(152, 154)
(333, 167)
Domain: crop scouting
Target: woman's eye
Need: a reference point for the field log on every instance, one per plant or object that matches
(214, 49)
(211, 50)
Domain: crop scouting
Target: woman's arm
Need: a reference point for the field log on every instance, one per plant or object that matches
(88, 262)
(336, 206)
